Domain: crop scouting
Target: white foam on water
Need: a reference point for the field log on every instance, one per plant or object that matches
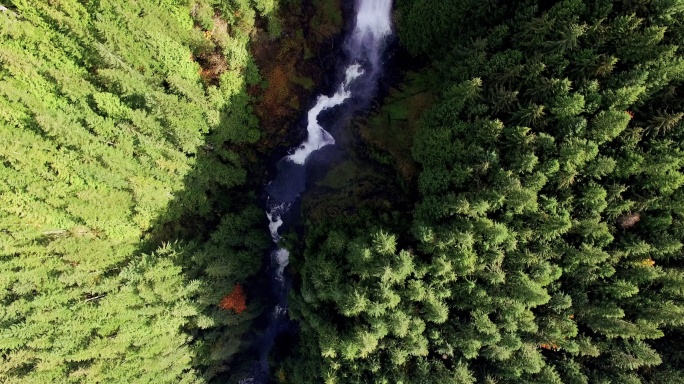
(373, 19)
(364, 47)
(279, 311)
(274, 222)
(282, 258)
(351, 73)
(317, 136)
(373, 24)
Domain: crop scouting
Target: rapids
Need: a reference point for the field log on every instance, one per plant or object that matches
(363, 47)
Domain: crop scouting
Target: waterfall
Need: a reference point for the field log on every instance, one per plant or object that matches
(363, 46)
(317, 136)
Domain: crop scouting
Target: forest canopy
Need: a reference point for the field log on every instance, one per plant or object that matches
(522, 223)
(546, 242)
(120, 123)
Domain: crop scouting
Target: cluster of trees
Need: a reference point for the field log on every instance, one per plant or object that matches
(124, 222)
(546, 245)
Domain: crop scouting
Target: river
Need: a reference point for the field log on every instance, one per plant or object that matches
(363, 50)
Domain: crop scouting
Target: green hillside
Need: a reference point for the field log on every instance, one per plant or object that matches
(123, 222)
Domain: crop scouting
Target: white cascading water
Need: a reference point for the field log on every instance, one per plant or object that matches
(317, 136)
(364, 47)
(373, 19)
(373, 25)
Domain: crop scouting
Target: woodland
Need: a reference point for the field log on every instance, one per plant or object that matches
(509, 210)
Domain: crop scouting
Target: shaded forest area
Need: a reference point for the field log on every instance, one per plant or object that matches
(130, 222)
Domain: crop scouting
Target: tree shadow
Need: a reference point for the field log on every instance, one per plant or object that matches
(217, 230)
(219, 237)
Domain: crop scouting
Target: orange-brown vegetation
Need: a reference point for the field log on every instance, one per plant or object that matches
(281, 63)
(212, 61)
(290, 66)
(276, 96)
(212, 66)
(549, 346)
(235, 300)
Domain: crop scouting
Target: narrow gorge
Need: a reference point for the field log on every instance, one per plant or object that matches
(363, 49)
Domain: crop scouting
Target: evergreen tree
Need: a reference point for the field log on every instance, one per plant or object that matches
(547, 236)
(114, 132)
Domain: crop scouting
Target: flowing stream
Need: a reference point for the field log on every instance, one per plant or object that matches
(364, 47)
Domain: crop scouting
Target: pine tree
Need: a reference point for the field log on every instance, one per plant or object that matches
(547, 228)
(105, 111)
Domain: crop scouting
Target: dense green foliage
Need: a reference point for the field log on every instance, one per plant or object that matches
(120, 122)
(546, 246)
